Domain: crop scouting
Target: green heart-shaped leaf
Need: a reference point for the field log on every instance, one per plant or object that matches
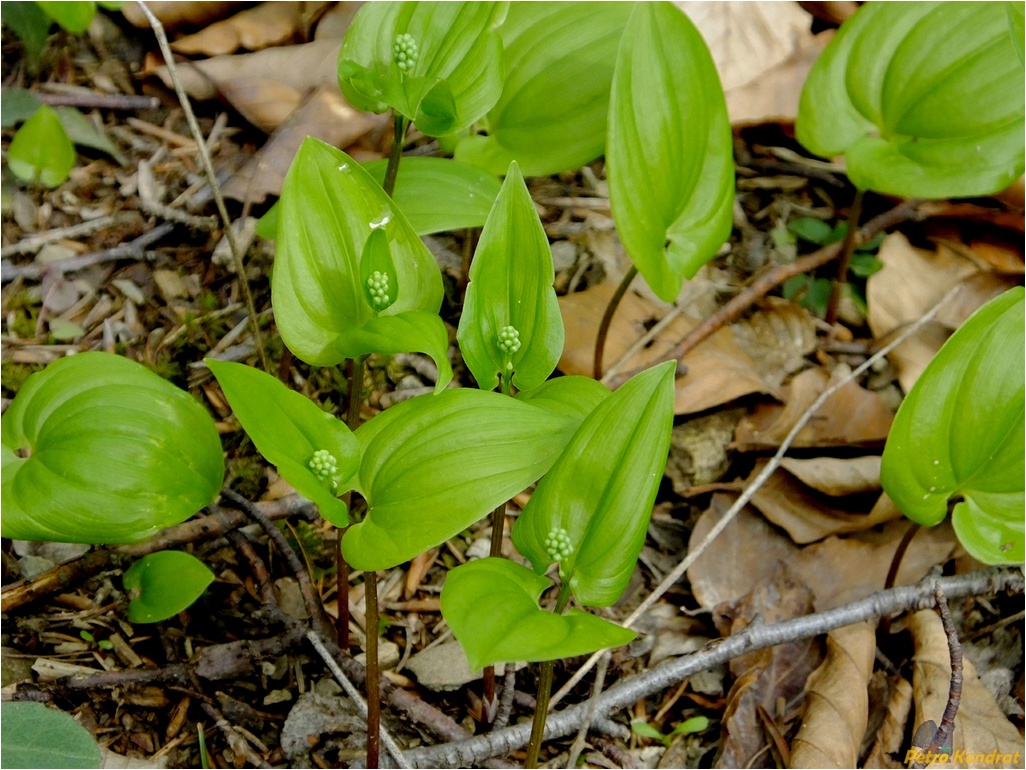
(492, 607)
(915, 118)
(114, 453)
(166, 583)
(434, 465)
(313, 451)
(511, 324)
(41, 150)
(37, 736)
(552, 48)
(329, 208)
(440, 194)
(959, 433)
(593, 506)
(438, 64)
(74, 16)
(670, 150)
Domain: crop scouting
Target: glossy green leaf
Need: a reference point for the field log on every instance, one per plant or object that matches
(413, 330)
(434, 465)
(959, 434)
(914, 117)
(164, 583)
(600, 492)
(313, 451)
(511, 323)
(75, 16)
(114, 453)
(572, 396)
(492, 607)
(449, 73)
(267, 225)
(329, 207)
(552, 114)
(439, 194)
(32, 27)
(35, 736)
(670, 158)
(41, 150)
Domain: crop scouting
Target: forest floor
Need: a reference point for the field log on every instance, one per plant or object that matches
(128, 256)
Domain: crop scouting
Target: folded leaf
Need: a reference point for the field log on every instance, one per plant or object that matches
(412, 331)
(434, 465)
(438, 64)
(914, 118)
(439, 194)
(551, 115)
(166, 583)
(114, 453)
(492, 607)
(329, 208)
(959, 433)
(670, 150)
(511, 324)
(313, 451)
(591, 511)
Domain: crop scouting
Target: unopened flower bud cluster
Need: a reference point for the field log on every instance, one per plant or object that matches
(404, 51)
(509, 339)
(377, 286)
(323, 464)
(558, 545)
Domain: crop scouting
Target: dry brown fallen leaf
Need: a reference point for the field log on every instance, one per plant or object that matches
(809, 515)
(264, 86)
(846, 569)
(835, 476)
(749, 544)
(172, 15)
(261, 26)
(325, 115)
(911, 282)
(837, 701)
(777, 337)
(853, 416)
(981, 728)
(770, 681)
(718, 370)
(891, 736)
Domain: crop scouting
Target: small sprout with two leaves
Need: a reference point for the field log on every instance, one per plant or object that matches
(404, 51)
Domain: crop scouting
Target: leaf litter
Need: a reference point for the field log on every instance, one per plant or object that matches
(820, 533)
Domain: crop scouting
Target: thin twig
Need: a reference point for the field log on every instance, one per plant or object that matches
(34, 243)
(91, 100)
(354, 693)
(582, 732)
(947, 723)
(607, 319)
(671, 579)
(135, 249)
(753, 637)
(208, 168)
(509, 688)
(851, 240)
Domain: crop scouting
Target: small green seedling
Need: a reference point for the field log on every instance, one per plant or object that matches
(915, 118)
(958, 435)
(98, 449)
(687, 727)
(103, 644)
(163, 584)
(41, 150)
(35, 736)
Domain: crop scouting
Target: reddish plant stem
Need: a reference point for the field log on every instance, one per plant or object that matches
(607, 319)
(373, 673)
(847, 249)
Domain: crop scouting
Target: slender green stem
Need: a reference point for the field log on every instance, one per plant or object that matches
(541, 706)
(607, 319)
(373, 673)
(401, 124)
(847, 249)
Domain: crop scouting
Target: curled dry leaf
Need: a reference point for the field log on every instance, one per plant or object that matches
(718, 370)
(837, 477)
(262, 26)
(325, 115)
(911, 282)
(981, 728)
(195, 13)
(847, 569)
(749, 544)
(777, 337)
(809, 515)
(891, 736)
(837, 701)
(853, 416)
(772, 679)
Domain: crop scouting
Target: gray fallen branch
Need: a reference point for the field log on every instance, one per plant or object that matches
(755, 637)
(33, 243)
